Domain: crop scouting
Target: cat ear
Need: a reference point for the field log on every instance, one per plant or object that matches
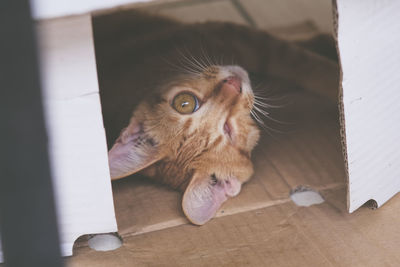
(133, 151)
(205, 194)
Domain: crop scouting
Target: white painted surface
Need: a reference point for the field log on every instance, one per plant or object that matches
(369, 43)
(78, 151)
(77, 143)
(44, 9)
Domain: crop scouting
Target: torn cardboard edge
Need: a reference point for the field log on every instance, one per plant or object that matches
(342, 122)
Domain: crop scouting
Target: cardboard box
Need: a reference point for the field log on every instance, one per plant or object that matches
(262, 226)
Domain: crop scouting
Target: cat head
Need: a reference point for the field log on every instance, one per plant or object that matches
(195, 134)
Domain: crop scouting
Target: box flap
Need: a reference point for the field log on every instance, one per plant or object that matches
(368, 41)
(77, 143)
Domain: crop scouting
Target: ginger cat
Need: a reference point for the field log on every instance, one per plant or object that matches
(178, 110)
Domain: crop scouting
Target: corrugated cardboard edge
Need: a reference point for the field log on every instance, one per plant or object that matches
(342, 121)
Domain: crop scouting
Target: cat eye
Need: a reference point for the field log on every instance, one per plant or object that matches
(185, 103)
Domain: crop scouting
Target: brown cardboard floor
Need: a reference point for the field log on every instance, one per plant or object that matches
(281, 235)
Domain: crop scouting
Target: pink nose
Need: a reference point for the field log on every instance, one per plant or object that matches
(232, 86)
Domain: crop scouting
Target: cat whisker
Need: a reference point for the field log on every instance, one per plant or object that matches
(202, 59)
(261, 123)
(233, 61)
(266, 105)
(200, 63)
(269, 98)
(267, 116)
(182, 68)
(189, 70)
(186, 67)
(267, 129)
(261, 97)
(189, 63)
(207, 57)
(259, 111)
(261, 91)
(255, 116)
(262, 104)
(257, 87)
(263, 112)
(221, 61)
(201, 67)
(260, 108)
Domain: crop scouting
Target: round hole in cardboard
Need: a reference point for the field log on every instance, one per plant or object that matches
(304, 196)
(371, 204)
(105, 242)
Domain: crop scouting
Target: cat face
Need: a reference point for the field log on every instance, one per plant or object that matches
(195, 134)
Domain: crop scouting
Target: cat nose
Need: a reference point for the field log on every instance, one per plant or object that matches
(231, 86)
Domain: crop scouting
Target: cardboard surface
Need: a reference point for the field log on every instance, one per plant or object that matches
(282, 235)
(77, 146)
(368, 38)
